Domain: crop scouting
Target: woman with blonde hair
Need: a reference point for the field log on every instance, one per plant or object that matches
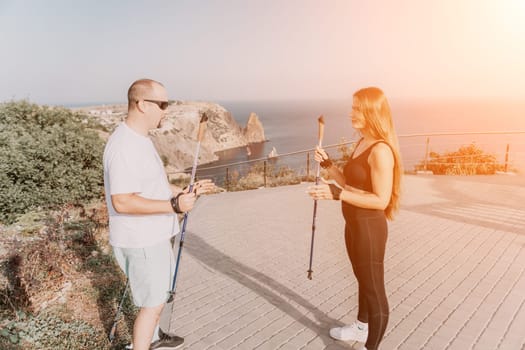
(368, 187)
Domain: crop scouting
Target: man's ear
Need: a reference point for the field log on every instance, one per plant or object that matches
(140, 106)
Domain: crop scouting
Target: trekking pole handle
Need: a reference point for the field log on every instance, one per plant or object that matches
(321, 130)
(202, 127)
(200, 136)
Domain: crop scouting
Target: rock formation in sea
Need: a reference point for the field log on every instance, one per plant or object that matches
(254, 130)
(176, 140)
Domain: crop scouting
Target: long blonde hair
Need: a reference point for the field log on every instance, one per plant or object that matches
(376, 110)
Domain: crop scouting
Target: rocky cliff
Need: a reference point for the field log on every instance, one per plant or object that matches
(176, 140)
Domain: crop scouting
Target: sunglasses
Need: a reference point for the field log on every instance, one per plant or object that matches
(162, 104)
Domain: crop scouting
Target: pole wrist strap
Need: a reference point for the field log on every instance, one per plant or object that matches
(175, 203)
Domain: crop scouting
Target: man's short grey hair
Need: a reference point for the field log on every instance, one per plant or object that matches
(139, 89)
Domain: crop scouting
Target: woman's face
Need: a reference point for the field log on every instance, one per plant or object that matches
(357, 117)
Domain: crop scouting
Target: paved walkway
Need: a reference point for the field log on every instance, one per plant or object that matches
(455, 269)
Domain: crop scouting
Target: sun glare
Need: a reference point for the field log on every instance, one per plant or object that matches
(513, 16)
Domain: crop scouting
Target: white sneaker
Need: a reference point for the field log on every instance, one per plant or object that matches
(354, 331)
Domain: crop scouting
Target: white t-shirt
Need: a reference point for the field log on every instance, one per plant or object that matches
(132, 165)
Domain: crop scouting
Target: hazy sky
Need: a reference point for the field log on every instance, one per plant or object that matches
(90, 51)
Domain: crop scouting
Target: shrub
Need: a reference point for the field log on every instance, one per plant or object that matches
(48, 156)
(257, 175)
(468, 160)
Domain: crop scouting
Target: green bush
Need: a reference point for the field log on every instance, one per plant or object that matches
(468, 160)
(48, 156)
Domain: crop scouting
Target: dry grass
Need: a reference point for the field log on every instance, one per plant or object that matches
(63, 274)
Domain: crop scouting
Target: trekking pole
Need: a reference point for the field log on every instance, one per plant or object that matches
(168, 308)
(113, 330)
(202, 128)
(320, 143)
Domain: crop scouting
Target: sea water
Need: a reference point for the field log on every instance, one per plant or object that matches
(292, 126)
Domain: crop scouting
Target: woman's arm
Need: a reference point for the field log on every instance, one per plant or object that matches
(333, 171)
(381, 161)
(337, 175)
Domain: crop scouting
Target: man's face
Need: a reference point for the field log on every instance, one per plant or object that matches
(155, 105)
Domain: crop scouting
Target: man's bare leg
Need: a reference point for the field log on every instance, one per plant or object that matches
(145, 323)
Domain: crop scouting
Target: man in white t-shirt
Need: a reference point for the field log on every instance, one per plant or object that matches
(142, 208)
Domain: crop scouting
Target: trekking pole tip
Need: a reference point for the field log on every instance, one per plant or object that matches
(112, 334)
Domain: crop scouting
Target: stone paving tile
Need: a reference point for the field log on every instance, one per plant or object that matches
(454, 269)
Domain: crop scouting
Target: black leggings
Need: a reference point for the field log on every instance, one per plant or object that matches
(365, 238)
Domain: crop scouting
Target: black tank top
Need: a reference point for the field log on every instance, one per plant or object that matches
(358, 175)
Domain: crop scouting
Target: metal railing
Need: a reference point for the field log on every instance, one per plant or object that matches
(415, 151)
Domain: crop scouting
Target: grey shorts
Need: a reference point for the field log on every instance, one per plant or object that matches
(149, 270)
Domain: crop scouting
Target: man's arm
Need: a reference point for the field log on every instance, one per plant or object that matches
(132, 203)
